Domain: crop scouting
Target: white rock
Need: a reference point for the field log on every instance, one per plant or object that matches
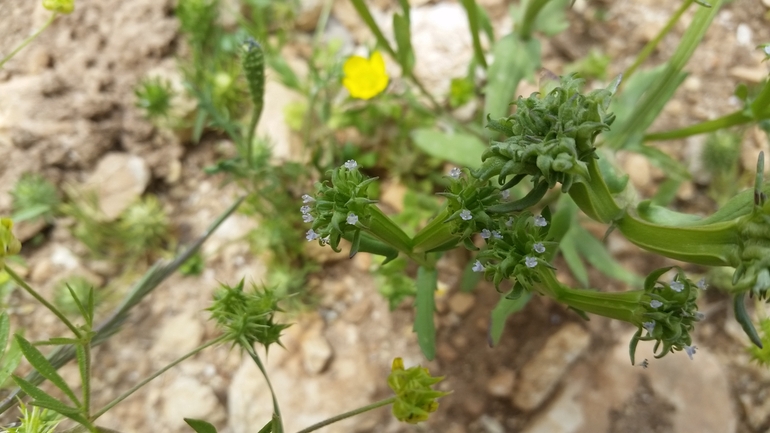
(316, 351)
(119, 180)
(743, 35)
(185, 397)
(177, 336)
(442, 45)
(540, 375)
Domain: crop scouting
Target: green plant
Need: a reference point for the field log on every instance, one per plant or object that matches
(34, 197)
(68, 291)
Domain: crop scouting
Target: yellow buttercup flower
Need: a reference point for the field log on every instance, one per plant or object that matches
(365, 78)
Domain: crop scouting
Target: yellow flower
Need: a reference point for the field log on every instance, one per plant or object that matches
(365, 78)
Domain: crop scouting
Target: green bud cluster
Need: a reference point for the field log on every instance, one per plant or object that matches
(752, 257)
(253, 63)
(339, 208)
(550, 137)
(247, 317)
(9, 245)
(467, 202)
(415, 399)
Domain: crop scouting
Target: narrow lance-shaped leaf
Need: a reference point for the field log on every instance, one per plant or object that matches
(201, 426)
(5, 330)
(504, 308)
(44, 367)
(425, 307)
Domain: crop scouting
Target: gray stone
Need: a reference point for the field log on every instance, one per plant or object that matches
(501, 384)
(542, 373)
(119, 180)
(316, 351)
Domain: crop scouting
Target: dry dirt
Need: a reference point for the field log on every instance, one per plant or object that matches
(67, 101)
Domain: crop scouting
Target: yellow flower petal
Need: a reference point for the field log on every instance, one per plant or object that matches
(365, 78)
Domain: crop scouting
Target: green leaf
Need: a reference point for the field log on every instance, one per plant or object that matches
(596, 254)
(363, 11)
(44, 367)
(425, 306)
(472, 10)
(45, 400)
(268, 428)
(201, 426)
(200, 122)
(666, 192)
(550, 19)
(30, 213)
(285, 73)
(10, 361)
(514, 60)
(5, 331)
(462, 149)
(574, 263)
(405, 55)
(504, 308)
(470, 278)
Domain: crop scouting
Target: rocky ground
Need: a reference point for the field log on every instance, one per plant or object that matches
(67, 111)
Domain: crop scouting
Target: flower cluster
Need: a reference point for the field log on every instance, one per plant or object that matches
(339, 209)
(668, 313)
(415, 399)
(550, 137)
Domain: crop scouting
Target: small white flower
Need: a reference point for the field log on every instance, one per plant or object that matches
(326, 240)
(311, 235)
(350, 164)
(766, 49)
(477, 267)
(702, 284)
(540, 221)
(539, 248)
(496, 234)
(455, 173)
(486, 234)
(655, 303)
(677, 286)
(465, 214)
(509, 223)
(305, 210)
(531, 262)
(690, 350)
(307, 199)
(307, 218)
(505, 194)
(649, 326)
(352, 219)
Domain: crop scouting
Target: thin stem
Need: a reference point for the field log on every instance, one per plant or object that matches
(126, 394)
(650, 47)
(253, 354)
(345, 415)
(42, 300)
(28, 40)
(732, 119)
(86, 379)
(530, 15)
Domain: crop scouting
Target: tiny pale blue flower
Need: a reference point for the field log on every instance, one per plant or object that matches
(496, 234)
(655, 303)
(466, 215)
(352, 219)
(307, 198)
(311, 235)
(677, 286)
(455, 173)
(308, 218)
(690, 351)
(645, 364)
(531, 262)
(477, 267)
(509, 223)
(539, 248)
(540, 221)
(505, 194)
(649, 326)
(486, 234)
(305, 210)
(702, 284)
(350, 164)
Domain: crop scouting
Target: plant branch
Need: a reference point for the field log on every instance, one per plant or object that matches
(345, 415)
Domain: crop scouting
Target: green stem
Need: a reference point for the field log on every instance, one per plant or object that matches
(253, 354)
(28, 40)
(530, 15)
(593, 196)
(126, 394)
(650, 47)
(345, 415)
(42, 300)
(86, 379)
(732, 119)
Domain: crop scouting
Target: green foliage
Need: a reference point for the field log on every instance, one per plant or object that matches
(415, 399)
(144, 227)
(593, 66)
(34, 197)
(36, 420)
(720, 158)
(193, 266)
(64, 290)
(154, 96)
(761, 353)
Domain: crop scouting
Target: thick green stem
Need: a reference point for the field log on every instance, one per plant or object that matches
(345, 415)
(594, 198)
(435, 234)
(42, 300)
(28, 40)
(710, 245)
(126, 394)
(530, 15)
(650, 47)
